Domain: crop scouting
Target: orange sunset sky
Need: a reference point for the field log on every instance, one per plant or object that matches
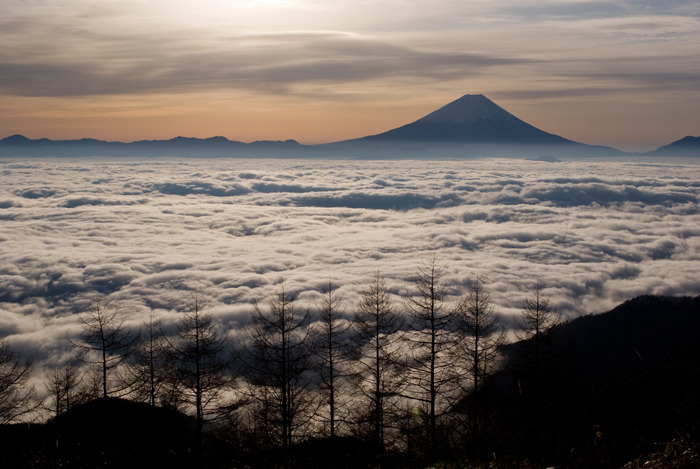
(619, 73)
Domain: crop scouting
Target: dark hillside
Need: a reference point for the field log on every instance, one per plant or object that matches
(117, 433)
(113, 433)
(636, 334)
(612, 387)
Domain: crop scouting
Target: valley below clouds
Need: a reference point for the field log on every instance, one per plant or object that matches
(139, 233)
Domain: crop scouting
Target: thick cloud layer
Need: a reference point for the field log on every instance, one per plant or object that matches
(140, 233)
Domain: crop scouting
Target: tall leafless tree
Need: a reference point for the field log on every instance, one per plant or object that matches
(378, 325)
(54, 388)
(538, 317)
(202, 356)
(433, 372)
(62, 387)
(482, 340)
(331, 347)
(105, 342)
(149, 364)
(280, 358)
(16, 399)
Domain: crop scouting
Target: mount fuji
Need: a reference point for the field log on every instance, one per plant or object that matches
(472, 125)
(470, 119)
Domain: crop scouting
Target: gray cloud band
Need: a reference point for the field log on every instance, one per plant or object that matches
(269, 63)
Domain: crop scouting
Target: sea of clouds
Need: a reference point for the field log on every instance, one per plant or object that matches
(140, 233)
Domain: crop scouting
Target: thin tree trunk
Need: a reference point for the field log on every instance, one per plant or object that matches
(104, 372)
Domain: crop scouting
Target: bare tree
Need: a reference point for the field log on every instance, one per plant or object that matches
(280, 353)
(106, 342)
(378, 324)
(482, 340)
(202, 356)
(538, 317)
(331, 348)
(16, 399)
(149, 364)
(433, 371)
(90, 387)
(63, 387)
(54, 388)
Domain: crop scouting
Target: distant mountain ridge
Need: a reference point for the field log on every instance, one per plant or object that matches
(687, 146)
(19, 145)
(471, 126)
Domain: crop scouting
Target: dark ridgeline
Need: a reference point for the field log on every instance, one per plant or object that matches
(471, 126)
(598, 391)
(18, 146)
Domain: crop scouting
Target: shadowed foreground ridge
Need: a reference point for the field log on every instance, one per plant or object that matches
(109, 432)
(613, 388)
(118, 433)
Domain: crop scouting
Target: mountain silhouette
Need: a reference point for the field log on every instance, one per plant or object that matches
(687, 146)
(472, 125)
(19, 145)
(470, 119)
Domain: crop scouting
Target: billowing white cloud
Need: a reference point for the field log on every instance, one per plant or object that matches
(140, 233)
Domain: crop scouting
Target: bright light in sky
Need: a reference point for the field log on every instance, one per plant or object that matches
(621, 73)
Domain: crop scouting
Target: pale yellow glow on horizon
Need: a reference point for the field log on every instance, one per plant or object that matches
(250, 118)
(207, 114)
(322, 71)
